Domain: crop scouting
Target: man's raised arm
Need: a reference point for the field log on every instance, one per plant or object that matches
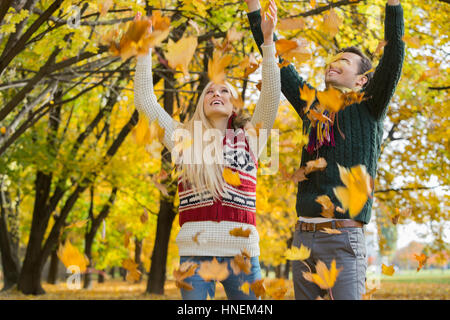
(381, 88)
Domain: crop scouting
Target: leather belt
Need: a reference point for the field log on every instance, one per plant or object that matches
(312, 227)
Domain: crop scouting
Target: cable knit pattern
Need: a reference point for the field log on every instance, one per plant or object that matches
(361, 124)
(213, 238)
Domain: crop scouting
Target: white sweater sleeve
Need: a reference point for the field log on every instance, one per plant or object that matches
(145, 99)
(267, 106)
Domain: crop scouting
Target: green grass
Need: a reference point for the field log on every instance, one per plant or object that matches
(423, 276)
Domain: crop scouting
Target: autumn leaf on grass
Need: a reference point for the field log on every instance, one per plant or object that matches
(331, 23)
(217, 66)
(389, 271)
(276, 288)
(291, 24)
(316, 165)
(213, 270)
(358, 187)
(296, 253)
(308, 95)
(324, 278)
(179, 54)
(422, 259)
(241, 263)
(240, 232)
(369, 293)
(71, 256)
(290, 49)
(230, 177)
(186, 270)
(133, 273)
(327, 206)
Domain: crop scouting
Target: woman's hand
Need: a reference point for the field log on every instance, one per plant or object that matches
(268, 22)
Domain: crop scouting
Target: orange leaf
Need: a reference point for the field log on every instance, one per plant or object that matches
(327, 206)
(389, 271)
(325, 278)
(213, 270)
(258, 288)
(217, 66)
(179, 54)
(299, 175)
(276, 288)
(422, 259)
(240, 232)
(291, 24)
(330, 231)
(186, 270)
(308, 95)
(290, 49)
(316, 165)
(240, 263)
(331, 99)
(331, 23)
(318, 116)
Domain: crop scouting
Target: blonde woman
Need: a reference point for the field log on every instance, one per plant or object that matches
(209, 206)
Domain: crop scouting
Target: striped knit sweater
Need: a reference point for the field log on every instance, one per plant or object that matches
(211, 231)
(360, 123)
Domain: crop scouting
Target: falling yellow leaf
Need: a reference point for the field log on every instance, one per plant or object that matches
(276, 288)
(422, 259)
(258, 288)
(240, 232)
(213, 270)
(331, 23)
(195, 237)
(71, 256)
(379, 50)
(316, 165)
(249, 65)
(308, 95)
(296, 253)
(431, 73)
(389, 271)
(290, 49)
(291, 24)
(245, 288)
(2, 130)
(241, 263)
(104, 6)
(299, 175)
(331, 99)
(412, 42)
(324, 278)
(179, 54)
(327, 206)
(330, 231)
(358, 187)
(156, 132)
(217, 66)
(186, 270)
(142, 131)
(230, 177)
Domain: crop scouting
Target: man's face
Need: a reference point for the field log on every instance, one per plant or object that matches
(343, 71)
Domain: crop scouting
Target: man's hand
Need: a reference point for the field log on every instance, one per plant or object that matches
(393, 2)
(268, 22)
(253, 5)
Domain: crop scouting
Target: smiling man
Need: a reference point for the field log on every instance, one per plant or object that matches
(353, 138)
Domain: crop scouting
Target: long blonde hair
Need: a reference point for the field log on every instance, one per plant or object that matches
(202, 176)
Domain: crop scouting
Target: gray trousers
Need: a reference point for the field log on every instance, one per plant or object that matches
(349, 251)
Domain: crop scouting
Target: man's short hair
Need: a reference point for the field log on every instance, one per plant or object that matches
(364, 65)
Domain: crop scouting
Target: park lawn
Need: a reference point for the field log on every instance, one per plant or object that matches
(406, 285)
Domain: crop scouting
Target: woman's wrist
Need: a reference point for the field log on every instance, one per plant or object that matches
(268, 39)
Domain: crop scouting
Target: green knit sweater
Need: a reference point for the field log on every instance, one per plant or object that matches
(360, 123)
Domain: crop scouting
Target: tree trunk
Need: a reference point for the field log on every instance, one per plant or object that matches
(53, 269)
(137, 255)
(157, 274)
(10, 261)
(112, 272)
(278, 271)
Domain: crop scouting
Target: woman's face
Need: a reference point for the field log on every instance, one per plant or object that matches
(217, 102)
